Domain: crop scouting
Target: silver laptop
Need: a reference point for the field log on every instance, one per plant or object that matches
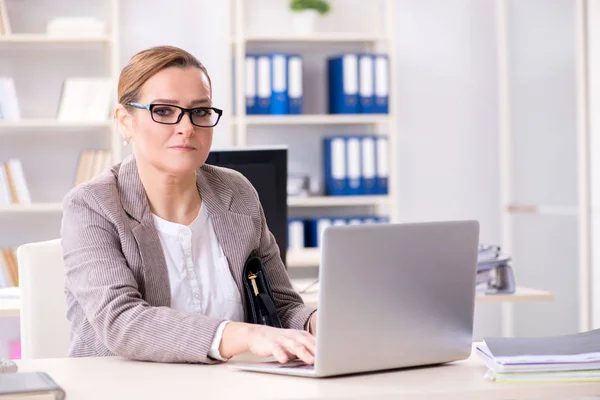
(391, 296)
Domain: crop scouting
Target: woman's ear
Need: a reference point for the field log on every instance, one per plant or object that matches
(124, 120)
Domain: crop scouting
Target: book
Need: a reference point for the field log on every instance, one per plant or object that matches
(29, 385)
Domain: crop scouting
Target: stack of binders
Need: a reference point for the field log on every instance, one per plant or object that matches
(307, 233)
(494, 272)
(273, 84)
(358, 83)
(355, 165)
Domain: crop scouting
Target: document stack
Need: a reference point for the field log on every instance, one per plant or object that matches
(494, 272)
(568, 358)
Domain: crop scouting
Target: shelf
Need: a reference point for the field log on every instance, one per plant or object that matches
(51, 124)
(303, 258)
(34, 207)
(521, 295)
(315, 119)
(43, 38)
(335, 201)
(332, 37)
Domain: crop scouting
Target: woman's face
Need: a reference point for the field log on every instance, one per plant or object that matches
(175, 149)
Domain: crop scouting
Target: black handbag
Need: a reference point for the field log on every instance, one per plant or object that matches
(261, 307)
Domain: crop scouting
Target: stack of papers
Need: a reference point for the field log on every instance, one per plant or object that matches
(568, 358)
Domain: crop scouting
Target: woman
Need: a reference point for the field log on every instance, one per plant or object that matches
(154, 248)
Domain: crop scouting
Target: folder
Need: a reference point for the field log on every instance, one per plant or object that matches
(382, 166)
(279, 86)
(343, 84)
(382, 84)
(334, 152)
(314, 231)
(368, 165)
(365, 84)
(295, 92)
(296, 234)
(250, 85)
(354, 168)
(263, 84)
(355, 221)
(383, 220)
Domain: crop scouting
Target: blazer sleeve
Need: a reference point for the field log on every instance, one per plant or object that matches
(99, 278)
(292, 311)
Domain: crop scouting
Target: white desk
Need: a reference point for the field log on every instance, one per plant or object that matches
(116, 378)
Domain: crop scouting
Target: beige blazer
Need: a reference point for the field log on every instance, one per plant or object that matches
(117, 284)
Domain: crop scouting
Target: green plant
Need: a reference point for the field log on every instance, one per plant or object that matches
(321, 6)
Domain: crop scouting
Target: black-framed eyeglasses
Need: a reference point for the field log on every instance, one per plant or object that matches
(169, 114)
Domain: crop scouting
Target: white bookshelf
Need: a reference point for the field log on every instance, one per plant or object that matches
(49, 124)
(337, 201)
(325, 38)
(44, 126)
(376, 36)
(31, 208)
(49, 39)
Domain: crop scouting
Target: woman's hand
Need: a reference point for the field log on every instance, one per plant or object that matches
(283, 344)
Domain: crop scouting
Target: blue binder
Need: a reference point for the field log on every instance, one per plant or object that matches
(369, 161)
(343, 84)
(354, 165)
(382, 83)
(250, 84)
(263, 84)
(334, 163)
(314, 231)
(366, 81)
(279, 84)
(382, 165)
(295, 92)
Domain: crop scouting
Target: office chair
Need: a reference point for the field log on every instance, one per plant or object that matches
(44, 325)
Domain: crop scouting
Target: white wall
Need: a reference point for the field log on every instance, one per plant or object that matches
(448, 119)
(542, 93)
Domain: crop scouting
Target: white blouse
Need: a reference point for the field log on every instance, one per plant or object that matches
(199, 274)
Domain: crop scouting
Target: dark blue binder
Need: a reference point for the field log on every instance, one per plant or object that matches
(343, 84)
(334, 163)
(263, 84)
(381, 76)
(250, 85)
(295, 82)
(366, 82)
(279, 84)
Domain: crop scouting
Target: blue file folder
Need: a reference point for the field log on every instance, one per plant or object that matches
(295, 82)
(343, 84)
(279, 84)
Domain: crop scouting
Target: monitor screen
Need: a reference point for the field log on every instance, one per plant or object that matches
(266, 169)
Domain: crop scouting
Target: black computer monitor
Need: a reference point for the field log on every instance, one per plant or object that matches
(266, 169)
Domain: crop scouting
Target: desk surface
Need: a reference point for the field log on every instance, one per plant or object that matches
(117, 378)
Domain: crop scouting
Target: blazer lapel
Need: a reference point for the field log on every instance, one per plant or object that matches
(156, 290)
(235, 232)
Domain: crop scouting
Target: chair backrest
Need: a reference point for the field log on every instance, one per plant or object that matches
(44, 325)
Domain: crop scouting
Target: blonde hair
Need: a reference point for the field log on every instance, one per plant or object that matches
(145, 64)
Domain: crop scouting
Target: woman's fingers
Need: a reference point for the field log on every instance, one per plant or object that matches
(295, 346)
